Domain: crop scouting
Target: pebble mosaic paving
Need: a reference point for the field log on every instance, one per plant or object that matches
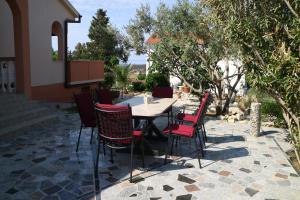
(41, 163)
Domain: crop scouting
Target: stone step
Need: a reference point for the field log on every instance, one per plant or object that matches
(17, 113)
(17, 117)
(9, 109)
(27, 122)
(12, 98)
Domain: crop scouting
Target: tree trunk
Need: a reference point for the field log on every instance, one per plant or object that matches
(219, 100)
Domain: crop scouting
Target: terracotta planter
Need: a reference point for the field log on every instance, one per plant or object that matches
(186, 89)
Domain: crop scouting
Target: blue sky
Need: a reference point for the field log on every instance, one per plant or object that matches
(119, 12)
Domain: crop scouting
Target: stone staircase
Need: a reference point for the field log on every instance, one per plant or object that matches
(17, 113)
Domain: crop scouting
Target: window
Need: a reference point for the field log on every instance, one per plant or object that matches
(57, 41)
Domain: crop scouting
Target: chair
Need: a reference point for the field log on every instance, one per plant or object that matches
(183, 117)
(84, 103)
(103, 96)
(164, 92)
(181, 130)
(115, 128)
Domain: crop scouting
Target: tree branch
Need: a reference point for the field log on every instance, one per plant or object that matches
(292, 10)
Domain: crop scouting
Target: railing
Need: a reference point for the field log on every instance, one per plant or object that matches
(83, 72)
(7, 75)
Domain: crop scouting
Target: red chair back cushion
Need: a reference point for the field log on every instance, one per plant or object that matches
(162, 92)
(84, 102)
(104, 96)
(201, 108)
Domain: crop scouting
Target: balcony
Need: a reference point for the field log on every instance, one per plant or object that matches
(7, 75)
(84, 72)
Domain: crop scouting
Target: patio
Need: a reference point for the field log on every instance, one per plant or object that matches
(41, 163)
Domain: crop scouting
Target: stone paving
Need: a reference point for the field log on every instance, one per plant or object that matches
(41, 163)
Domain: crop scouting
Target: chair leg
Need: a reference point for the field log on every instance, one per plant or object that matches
(92, 135)
(79, 137)
(165, 161)
(200, 141)
(103, 146)
(111, 156)
(176, 141)
(131, 160)
(168, 119)
(143, 152)
(97, 159)
(204, 132)
(203, 136)
(198, 155)
(173, 138)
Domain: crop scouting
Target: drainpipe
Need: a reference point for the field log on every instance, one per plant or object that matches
(67, 21)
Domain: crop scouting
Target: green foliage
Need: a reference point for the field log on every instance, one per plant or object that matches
(138, 28)
(106, 43)
(190, 44)
(109, 79)
(54, 55)
(271, 111)
(138, 86)
(269, 39)
(156, 79)
(141, 77)
(121, 74)
(80, 52)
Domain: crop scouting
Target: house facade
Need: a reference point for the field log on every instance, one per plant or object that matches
(28, 30)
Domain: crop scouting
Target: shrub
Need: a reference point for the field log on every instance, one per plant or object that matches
(109, 80)
(138, 86)
(156, 79)
(141, 77)
(271, 111)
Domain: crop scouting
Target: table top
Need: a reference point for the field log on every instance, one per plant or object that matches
(153, 109)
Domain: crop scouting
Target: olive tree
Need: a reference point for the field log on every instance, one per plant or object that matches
(191, 44)
(269, 38)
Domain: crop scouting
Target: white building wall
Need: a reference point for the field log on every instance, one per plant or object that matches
(233, 64)
(42, 14)
(7, 48)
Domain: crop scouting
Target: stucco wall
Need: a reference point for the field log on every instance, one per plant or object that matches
(7, 31)
(42, 14)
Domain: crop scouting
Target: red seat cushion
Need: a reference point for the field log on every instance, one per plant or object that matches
(186, 117)
(137, 133)
(111, 107)
(180, 129)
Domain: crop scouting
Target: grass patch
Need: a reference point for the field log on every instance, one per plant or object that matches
(270, 110)
(294, 161)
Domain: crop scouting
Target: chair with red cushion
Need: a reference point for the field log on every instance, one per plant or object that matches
(182, 130)
(85, 106)
(184, 117)
(115, 128)
(104, 96)
(163, 92)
